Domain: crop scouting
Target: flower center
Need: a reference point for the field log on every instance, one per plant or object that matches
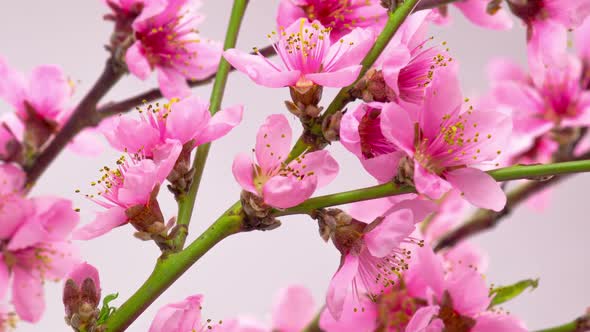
(396, 308)
(373, 143)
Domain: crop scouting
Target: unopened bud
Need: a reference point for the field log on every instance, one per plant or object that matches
(372, 87)
(181, 175)
(81, 297)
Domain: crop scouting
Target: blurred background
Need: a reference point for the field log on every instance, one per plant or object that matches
(241, 275)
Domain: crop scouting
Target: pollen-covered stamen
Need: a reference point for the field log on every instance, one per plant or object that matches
(395, 309)
(156, 114)
(338, 14)
(458, 143)
(373, 143)
(418, 74)
(169, 42)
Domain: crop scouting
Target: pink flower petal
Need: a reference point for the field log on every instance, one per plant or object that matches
(84, 271)
(136, 61)
(319, 164)
(476, 12)
(260, 71)
(4, 277)
(87, 143)
(582, 39)
(187, 119)
(468, 290)
(339, 286)
(428, 183)
(426, 273)
(273, 142)
(422, 319)
(364, 320)
(288, 13)
(390, 233)
(102, 224)
(243, 171)
(492, 322)
(506, 69)
(384, 167)
(293, 309)
(179, 317)
(336, 79)
(287, 191)
(127, 134)
(398, 127)
(442, 97)
(27, 295)
(396, 59)
(479, 188)
(49, 90)
(13, 86)
(172, 83)
(349, 50)
(221, 124)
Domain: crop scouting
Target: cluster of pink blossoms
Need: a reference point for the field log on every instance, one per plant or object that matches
(412, 127)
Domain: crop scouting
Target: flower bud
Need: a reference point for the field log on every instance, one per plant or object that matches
(258, 213)
(81, 297)
(372, 87)
(181, 175)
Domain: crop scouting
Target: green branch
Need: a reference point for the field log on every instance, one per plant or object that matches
(170, 267)
(580, 324)
(390, 189)
(186, 202)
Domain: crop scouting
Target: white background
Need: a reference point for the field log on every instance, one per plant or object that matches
(240, 275)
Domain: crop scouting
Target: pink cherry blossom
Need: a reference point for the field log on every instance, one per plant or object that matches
(340, 16)
(280, 184)
(461, 291)
(547, 98)
(360, 133)
(409, 69)
(168, 41)
(582, 41)
(308, 57)
(130, 184)
(444, 142)
(371, 256)
(183, 121)
(42, 96)
(36, 250)
(44, 92)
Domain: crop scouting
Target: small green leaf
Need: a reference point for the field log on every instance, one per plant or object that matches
(106, 311)
(506, 293)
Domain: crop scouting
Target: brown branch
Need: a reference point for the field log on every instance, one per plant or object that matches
(128, 104)
(83, 116)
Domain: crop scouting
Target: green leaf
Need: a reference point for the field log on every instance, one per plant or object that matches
(506, 293)
(106, 311)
